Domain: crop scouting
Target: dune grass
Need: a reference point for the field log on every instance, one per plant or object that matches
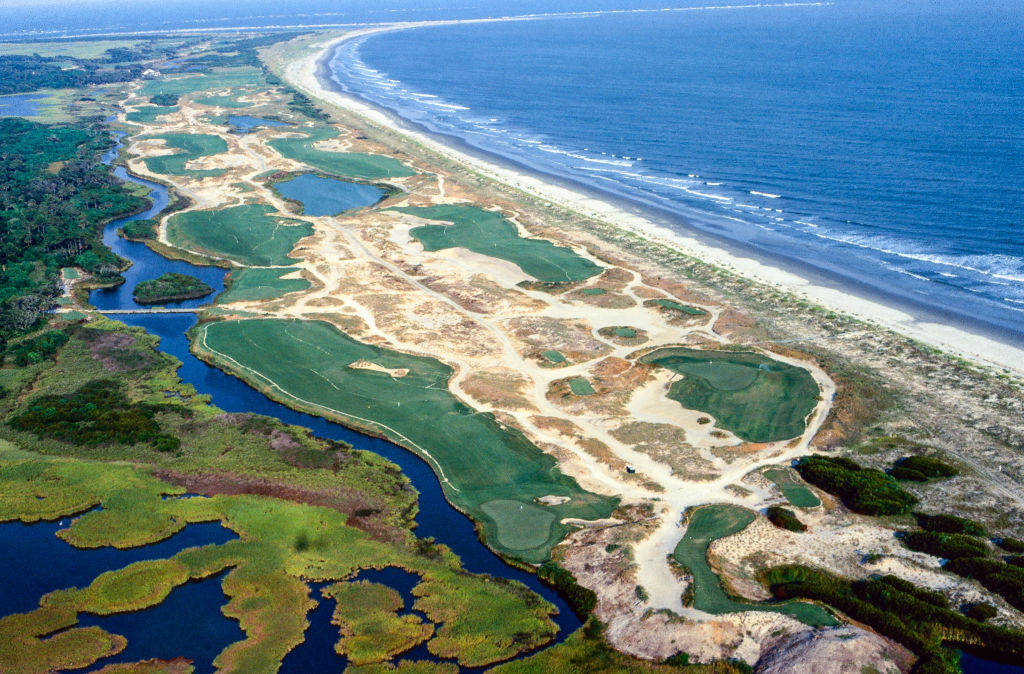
(260, 284)
(306, 364)
(707, 524)
(755, 397)
(489, 233)
(251, 234)
(344, 164)
(192, 146)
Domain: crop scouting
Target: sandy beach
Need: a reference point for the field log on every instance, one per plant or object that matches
(310, 75)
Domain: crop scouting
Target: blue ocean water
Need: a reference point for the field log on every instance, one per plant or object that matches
(877, 145)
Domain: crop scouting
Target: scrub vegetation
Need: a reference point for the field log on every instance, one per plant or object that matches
(170, 288)
(863, 490)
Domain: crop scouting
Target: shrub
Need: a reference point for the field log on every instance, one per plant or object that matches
(950, 524)
(785, 518)
(163, 99)
(1010, 544)
(928, 466)
(36, 349)
(139, 229)
(1004, 579)
(864, 490)
(581, 599)
(981, 612)
(947, 546)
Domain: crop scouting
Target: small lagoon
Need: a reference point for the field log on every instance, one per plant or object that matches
(22, 105)
(327, 196)
(245, 124)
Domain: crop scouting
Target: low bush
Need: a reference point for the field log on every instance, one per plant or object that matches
(943, 545)
(981, 612)
(784, 518)
(1004, 579)
(950, 524)
(1010, 544)
(164, 99)
(581, 599)
(139, 229)
(927, 466)
(863, 490)
(37, 349)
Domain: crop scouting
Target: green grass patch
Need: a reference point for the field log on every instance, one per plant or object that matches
(553, 356)
(223, 102)
(581, 387)
(192, 146)
(676, 306)
(76, 49)
(250, 235)
(221, 79)
(594, 291)
(345, 164)
(707, 524)
(260, 284)
(625, 333)
(148, 114)
(795, 492)
(306, 364)
(755, 397)
(490, 233)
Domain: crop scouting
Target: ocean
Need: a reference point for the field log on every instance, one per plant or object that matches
(878, 146)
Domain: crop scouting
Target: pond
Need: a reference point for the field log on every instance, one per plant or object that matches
(245, 124)
(22, 105)
(327, 196)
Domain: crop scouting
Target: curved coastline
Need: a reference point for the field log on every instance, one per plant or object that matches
(959, 333)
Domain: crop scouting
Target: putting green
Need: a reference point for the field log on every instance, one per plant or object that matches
(626, 333)
(796, 493)
(350, 164)
(249, 234)
(260, 284)
(581, 387)
(553, 356)
(755, 397)
(148, 114)
(477, 459)
(193, 146)
(521, 526)
(223, 102)
(489, 233)
(676, 306)
(707, 524)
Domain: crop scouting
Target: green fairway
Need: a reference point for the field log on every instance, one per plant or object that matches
(222, 79)
(478, 460)
(147, 114)
(260, 284)
(707, 524)
(581, 387)
(192, 146)
(755, 397)
(676, 306)
(344, 164)
(223, 102)
(249, 235)
(795, 492)
(489, 233)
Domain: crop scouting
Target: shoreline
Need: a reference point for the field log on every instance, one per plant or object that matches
(311, 74)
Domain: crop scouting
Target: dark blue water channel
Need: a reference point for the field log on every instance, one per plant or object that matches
(436, 518)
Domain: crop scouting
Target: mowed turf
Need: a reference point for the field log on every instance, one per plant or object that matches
(221, 79)
(147, 114)
(755, 397)
(260, 284)
(223, 102)
(249, 234)
(484, 467)
(350, 164)
(489, 233)
(192, 146)
(707, 524)
(795, 492)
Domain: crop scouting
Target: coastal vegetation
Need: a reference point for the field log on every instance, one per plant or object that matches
(139, 230)
(170, 287)
(342, 164)
(921, 469)
(490, 233)
(251, 234)
(795, 492)
(55, 199)
(863, 490)
(488, 469)
(784, 518)
(757, 398)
